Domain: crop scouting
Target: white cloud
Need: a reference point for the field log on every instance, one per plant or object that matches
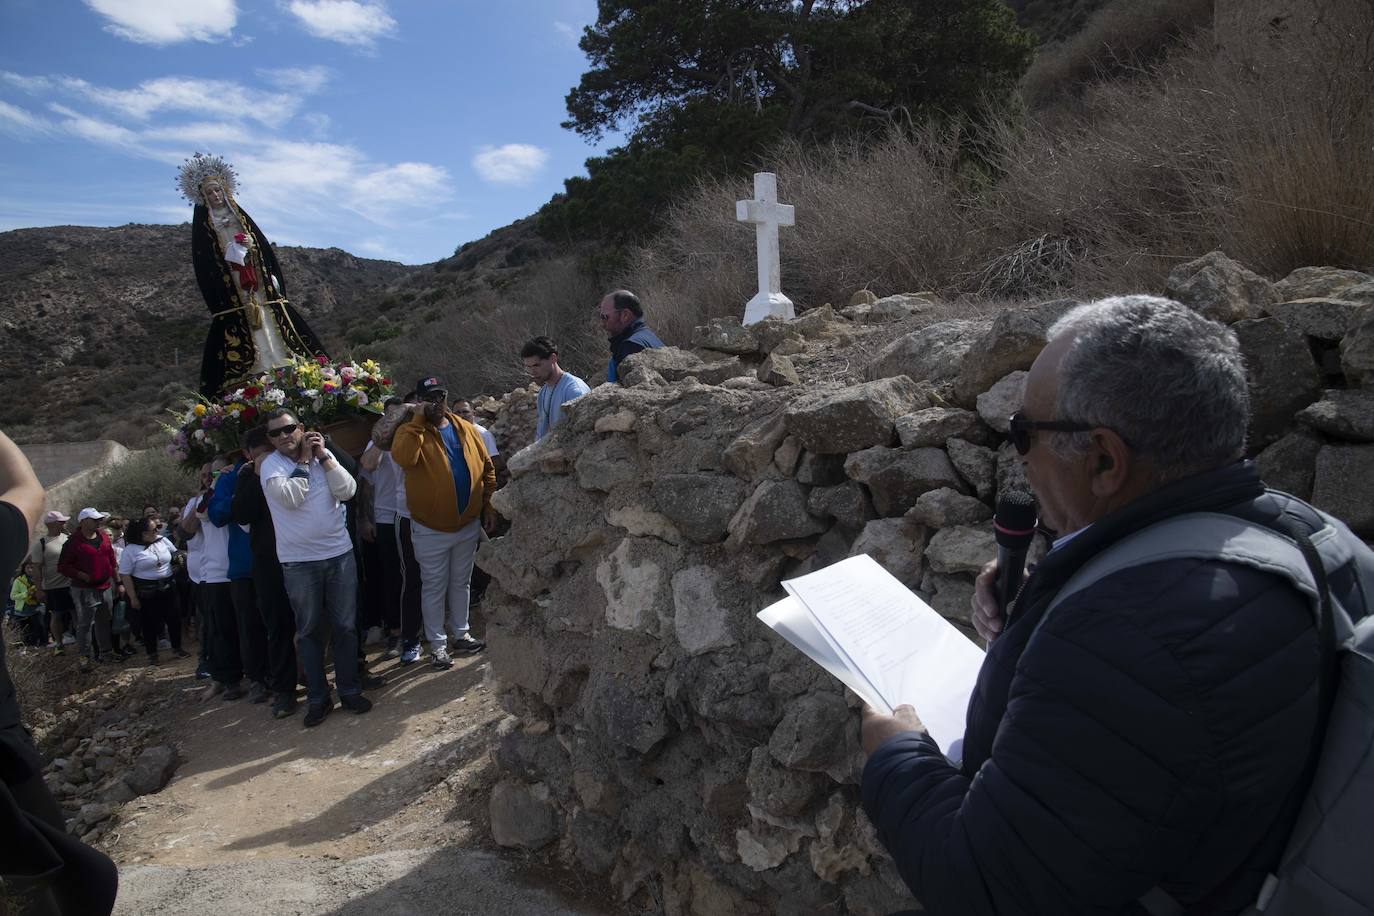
(198, 96)
(568, 31)
(22, 120)
(348, 22)
(318, 122)
(161, 22)
(300, 80)
(514, 163)
(96, 130)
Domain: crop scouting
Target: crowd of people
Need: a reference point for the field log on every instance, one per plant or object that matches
(291, 547)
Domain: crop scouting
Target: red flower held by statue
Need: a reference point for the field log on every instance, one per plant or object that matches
(250, 392)
(249, 412)
(322, 360)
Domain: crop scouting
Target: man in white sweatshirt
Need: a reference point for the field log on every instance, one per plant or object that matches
(305, 489)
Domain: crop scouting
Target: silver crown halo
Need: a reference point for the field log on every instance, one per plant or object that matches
(198, 169)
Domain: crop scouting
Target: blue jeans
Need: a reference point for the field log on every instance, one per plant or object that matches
(318, 588)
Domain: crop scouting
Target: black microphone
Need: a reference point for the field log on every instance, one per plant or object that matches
(1014, 526)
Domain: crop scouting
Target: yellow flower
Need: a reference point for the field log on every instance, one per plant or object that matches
(199, 410)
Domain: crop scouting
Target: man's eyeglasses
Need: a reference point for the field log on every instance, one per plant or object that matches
(1021, 429)
(280, 431)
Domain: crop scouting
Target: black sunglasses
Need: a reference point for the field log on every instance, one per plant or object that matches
(1021, 429)
(286, 430)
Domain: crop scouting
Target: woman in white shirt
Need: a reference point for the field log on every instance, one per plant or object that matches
(146, 568)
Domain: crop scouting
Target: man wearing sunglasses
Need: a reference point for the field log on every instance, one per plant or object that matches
(622, 318)
(306, 488)
(1142, 748)
(449, 480)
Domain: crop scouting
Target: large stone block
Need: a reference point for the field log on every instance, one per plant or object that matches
(945, 508)
(607, 464)
(1219, 288)
(998, 403)
(1343, 414)
(699, 505)
(896, 544)
(846, 419)
(775, 511)
(634, 586)
(1323, 319)
(847, 503)
(1289, 463)
(700, 619)
(751, 452)
(811, 735)
(725, 335)
(522, 816)
(962, 549)
(1344, 485)
(896, 477)
(930, 428)
(976, 464)
(1318, 283)
(151, 769)
(623, 711)
(1357, 352)
(777, 370)
(953, 597)
(1013, 342)
(1283, 375)
(935, 353)
(777, 790)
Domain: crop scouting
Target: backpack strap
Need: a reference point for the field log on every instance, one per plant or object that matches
(1229, 538)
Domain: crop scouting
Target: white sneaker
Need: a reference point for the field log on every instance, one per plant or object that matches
(163, 644)
(441, 660)
(374, 636)
(68, 639)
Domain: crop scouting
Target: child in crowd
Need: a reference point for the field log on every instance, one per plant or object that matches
(28, 612)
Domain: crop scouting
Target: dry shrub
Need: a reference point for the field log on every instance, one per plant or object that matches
(147, 477)
(1263, 149)
(476, 348)
(1123, 35)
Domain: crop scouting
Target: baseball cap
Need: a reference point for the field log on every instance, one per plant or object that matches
(89, 512)
(426, 386)
(52, 515)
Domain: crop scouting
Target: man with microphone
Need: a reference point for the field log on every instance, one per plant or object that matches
(1144, 747)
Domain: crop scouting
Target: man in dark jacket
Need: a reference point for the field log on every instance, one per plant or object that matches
(1152, 736)
(622, 318)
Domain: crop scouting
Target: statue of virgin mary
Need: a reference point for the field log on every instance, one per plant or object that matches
(252, 326)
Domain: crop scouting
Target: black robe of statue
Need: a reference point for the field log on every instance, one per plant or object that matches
(229, 348)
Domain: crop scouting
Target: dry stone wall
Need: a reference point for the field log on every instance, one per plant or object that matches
(664, 741)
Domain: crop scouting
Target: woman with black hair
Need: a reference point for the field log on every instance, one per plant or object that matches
(146, 568)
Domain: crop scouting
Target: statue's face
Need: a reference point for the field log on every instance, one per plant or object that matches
(214, 194)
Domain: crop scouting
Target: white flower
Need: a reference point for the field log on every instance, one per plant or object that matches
(361, 398)
(312, 393)
(198, 435)
(275, 395)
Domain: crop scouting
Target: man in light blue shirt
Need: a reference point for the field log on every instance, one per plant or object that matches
(556, 386)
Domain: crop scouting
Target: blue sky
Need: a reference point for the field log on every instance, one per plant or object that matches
(390, 129)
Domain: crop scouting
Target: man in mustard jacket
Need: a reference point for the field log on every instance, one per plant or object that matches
(449, 480)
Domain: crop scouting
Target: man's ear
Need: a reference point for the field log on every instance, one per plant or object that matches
(1110, 462)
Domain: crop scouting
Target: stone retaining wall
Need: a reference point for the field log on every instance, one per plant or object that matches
(664, 741)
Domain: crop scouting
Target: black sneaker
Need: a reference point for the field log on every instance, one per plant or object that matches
(284, 707)
(232, 691)
(316, 713)
(466, 645)
(358, 704)
(257, 692)
(203, 669)
(371, 681)
(152, 661)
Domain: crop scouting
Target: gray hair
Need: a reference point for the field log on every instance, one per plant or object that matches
(1167, 380)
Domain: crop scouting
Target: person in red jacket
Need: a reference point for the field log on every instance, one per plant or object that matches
(89, 561)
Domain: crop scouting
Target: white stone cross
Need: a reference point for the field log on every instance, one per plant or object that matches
(767, 215)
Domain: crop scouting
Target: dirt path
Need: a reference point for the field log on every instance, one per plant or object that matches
(380, 813)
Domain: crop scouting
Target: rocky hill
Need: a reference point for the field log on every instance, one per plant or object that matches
(103, 327)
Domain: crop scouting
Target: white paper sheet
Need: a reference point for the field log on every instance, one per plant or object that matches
(876, 627)
(793, 622)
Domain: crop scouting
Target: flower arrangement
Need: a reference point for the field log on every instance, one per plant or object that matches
(317, 391)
